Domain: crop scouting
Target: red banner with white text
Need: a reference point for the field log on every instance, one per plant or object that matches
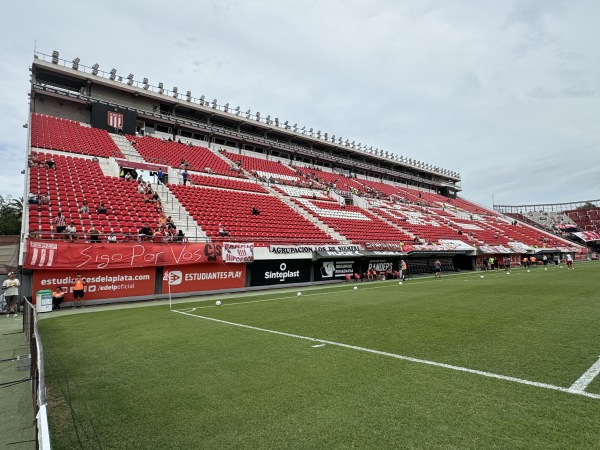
(203, 277)
(88, 256)
(99, 284)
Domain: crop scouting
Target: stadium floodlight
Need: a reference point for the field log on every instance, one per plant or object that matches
(237, 111)
(54, 57)
(353, 144)
(188, 96)
(333, 138)
(319, 134)
(268, 120)
(303, 130)
(248, 113)
(214, 103)
(325, 136)
(310, 131)
(276, 121)
(286, 125)
(95, 69)
(347, 142)
(295, 127)
(120, 79)
(161, 89)
(113, 74)
(175, 90)
(146, 85)
(226, 107)
(76, 63)
(258, 115)
(202, 100)
(130, 79)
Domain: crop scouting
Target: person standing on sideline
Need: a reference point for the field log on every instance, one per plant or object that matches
(57, 298)
(10, 288)
(78, 290)
(569, 263)
(507, 264)
(437, 268)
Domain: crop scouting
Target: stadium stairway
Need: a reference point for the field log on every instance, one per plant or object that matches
(181, 218)
(380, 216)
(131, 154)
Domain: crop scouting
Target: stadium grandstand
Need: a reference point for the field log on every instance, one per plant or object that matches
(149, 179)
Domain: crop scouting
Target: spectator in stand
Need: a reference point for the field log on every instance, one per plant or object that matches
(128, 176)
(71, 232)
(44, 199)
(101, 208)
(60, 222)
(34, 160)
(141, 188)
(95, 159)
(184, 176)
(112, 237)
(146, 232)
(208, 170)
(162, 220)
(170, 223)
(84, 208)
(255, 211)
(180, 236)
(222, 231)
(155, 198)
(94, 234)
(50, 164)
(32, 198)
(57, 298)
(159, 176)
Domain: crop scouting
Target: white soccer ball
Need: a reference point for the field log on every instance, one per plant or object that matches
(481, 276)
(399, 282)
(299, 294)
(545, 268)
(218, 303)
(528, 271)
(507, 273)
(355, 287)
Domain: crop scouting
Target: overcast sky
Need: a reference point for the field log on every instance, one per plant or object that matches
(507, 93)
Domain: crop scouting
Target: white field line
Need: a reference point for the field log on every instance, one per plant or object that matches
(402, 357)
(585, 379)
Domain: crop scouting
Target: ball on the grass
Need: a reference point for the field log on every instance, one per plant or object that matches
(507, 273)
(528, 271)
(399, 282)
(299, 294)
(481, 276)
(218, 303)
(355, 287)
(545, 268)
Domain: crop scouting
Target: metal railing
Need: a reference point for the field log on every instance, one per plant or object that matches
(37, 374)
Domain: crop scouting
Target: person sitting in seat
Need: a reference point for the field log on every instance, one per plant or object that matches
(255, 211)
(71, 232)
(50, 164)
(94, 234)
(180, 236)
(32, 198)
(84, 208)
(101, 208)
(112, 237)
(222, 231)
(146, 232)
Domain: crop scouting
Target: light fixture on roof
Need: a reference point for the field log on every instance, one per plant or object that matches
(303, 129)
(113, 74)
(295, 127)
(286, 125)
(76, 63)
(95, 69)
(319, 134)
(54, 57)
(248, 113)
(188, 96)
(130, 79)
(325, 136)
(120, 79)
(214, 103)
(226, 107)
(202, 100)
(340, 140)
(347, 143)
(268, 120)
(175, 91)
(353, 144)
(237, 111)
(161, 89)
(333, 138)
(276, 121)
(258, 115)
(146, 85)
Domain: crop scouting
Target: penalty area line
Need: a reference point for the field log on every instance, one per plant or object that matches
(566, 390)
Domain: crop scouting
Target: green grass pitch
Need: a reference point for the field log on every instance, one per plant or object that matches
(151, 378)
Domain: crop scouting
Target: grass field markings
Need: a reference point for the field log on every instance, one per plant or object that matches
(402, 357)
(318, 345)
(585, 379)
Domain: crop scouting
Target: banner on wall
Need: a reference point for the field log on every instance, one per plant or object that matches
(235, 252)
(86, 256)
(294, 249)
(270, 272)
(100, 284)
(203, 277)
(329, 270)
